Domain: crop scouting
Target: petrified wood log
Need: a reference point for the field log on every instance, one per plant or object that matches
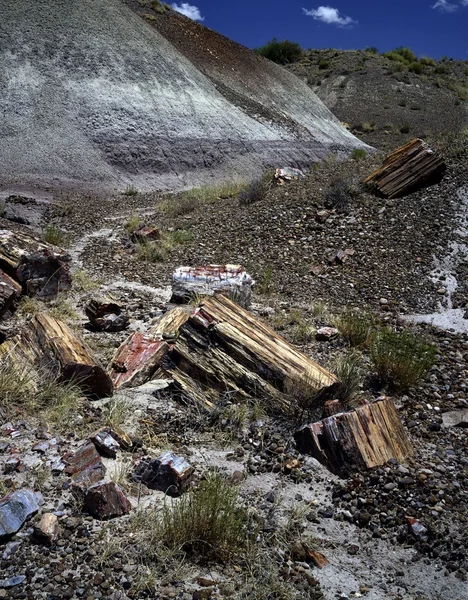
(41, 269)
(408, 169)
(49, 344)
(367, 437)
(223, 349)
(10, 292)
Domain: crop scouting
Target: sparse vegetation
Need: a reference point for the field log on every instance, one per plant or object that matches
(206, 523)
(340, 195)
(51, 234)
(356, 326)
(400, 360)
(281, 52)
(153, 252)
(130, 190)
(84, 282)
(132, 224)
(254, 192)
(182, 236)
(348, 369)
(358, 154)
(405, 128)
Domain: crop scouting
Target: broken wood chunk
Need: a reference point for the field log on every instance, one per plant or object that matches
(145, 234)
(16, 509)
(105, 442)
(106, 500)
(233, 280)
(367, 437)
(407, 170)
(106, 315)
(136, 360)
(42, 269)
(10, 292)
(169, 473)
(47, 529)
(47, 343)
(85, 466)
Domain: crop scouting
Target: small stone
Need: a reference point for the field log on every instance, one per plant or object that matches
(48, 528)
(106, 501)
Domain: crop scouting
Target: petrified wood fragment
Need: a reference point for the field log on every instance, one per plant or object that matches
(367, 437)
(407, 170)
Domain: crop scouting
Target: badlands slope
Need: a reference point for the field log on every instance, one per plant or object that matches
(92, 94)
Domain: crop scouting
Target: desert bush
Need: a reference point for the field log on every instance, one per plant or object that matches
(182, 236)
(416, 67)
(254, 192)
(358, 154)
(406, 53)
(152, 252)
(441, 70)
(130, 190)
(340, 195)
(427, 62)
(266, 283)
(405, 128)
(348, 369)
(132, 224)
(51, 234)
(206, 522)
(179, 205)
(400, 360)
(356, 326)
(323, 64)
(371, 50)
(281, 52)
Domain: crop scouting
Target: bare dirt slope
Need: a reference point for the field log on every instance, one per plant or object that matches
(92, 93)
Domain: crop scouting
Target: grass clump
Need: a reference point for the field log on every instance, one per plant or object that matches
(180, 205)
(266, 284)
(153, 252)
(400, 360)
(130, 190)
(348, 369)
(340, 195)
(182, 236)
(84, 282)
(356, 327)
(254, 192)
(205, 523)
(358, 154)
(51, 234)
(281, 52)
(132, 224)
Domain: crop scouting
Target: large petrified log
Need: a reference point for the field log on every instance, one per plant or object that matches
(408, 169)
(367, 437)
(223, 350)
(47, 343)
(188, 282)
(216, 350)
(40, 268)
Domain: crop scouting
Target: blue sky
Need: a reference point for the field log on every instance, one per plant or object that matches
(430, 27)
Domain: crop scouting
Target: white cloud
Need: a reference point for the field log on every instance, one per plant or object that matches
(192, 12)
(449, 7)
(445, 6)
(329, 15)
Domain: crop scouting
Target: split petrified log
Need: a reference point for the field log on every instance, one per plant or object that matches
(224, 349)
(367, 437)
(47, 343)
(41, 269)
(10, 292)
(138, 358)
(408, 169)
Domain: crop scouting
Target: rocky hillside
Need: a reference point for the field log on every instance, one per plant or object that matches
(94, 94)
(384, 100)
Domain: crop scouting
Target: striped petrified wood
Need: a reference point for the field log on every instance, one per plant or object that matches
(219, 350)
(408, 169)
(367, 437)
(47, 344)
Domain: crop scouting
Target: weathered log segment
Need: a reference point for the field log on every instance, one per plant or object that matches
(10, 292)
(47, 343)
(106, 315)
(41, 269)
(367, 437)
(408, 169)
(219, 349)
